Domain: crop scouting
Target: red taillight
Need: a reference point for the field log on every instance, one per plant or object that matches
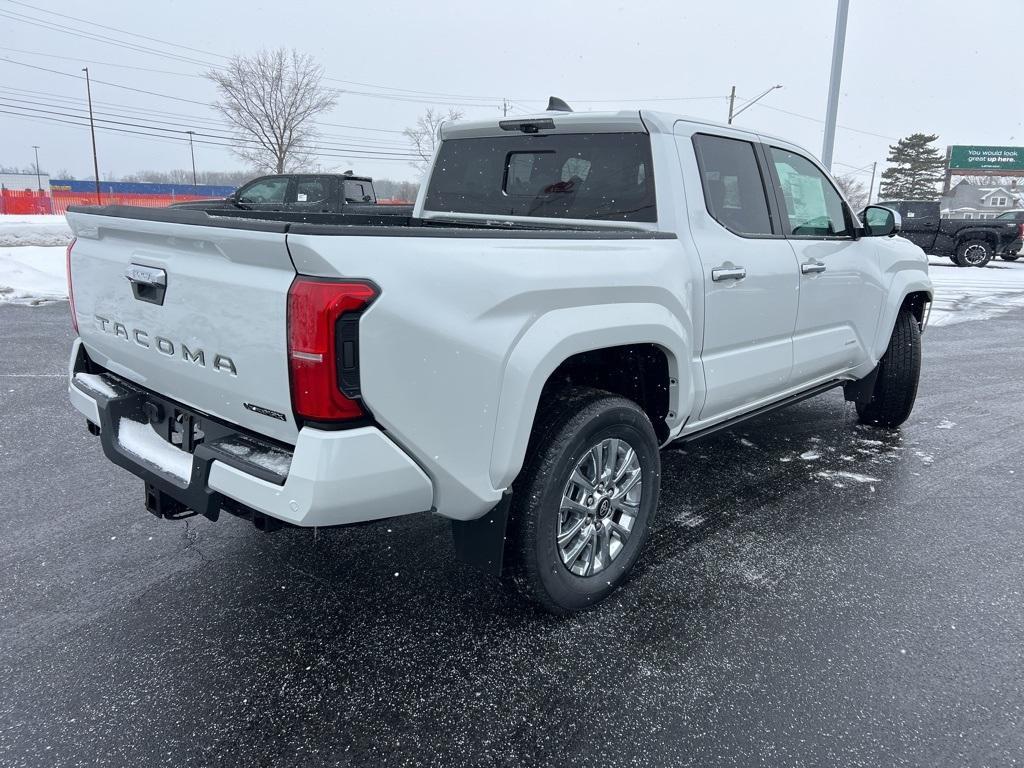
(71, 292)
(1020, 229)
(314, 308)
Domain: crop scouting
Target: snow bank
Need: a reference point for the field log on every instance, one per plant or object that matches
(34, 230)
(142, 441)
(32, 275)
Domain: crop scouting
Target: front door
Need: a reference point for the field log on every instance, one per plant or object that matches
(841, 290)
(751, 280)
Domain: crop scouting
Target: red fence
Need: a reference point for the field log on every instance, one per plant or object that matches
(26, 202)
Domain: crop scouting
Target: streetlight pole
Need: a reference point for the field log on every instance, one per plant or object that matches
(39, 178)
(748, 105)
(92, 130)
(871, 189)
(838, 47)
(193, 153)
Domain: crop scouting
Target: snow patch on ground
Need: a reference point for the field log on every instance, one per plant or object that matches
(32, 275)
(945, 424)
(95, 383)
(840, 475)
(34, 230)
(969, 293)
(810, 455)
(143, 442)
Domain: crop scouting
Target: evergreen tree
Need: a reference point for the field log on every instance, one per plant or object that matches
(917, 169)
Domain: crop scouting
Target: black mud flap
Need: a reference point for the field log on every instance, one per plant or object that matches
(862, 390)
(481, 542)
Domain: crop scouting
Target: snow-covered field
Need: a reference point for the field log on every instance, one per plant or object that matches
(34, 274)
(34, 230)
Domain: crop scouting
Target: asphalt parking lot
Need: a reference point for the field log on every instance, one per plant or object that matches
(815, 593)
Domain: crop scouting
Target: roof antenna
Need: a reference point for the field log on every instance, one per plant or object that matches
(555, 104)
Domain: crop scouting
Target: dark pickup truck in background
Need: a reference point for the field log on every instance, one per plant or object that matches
(304, 193)
(968, 242)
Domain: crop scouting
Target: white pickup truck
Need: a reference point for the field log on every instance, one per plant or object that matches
(572, 292)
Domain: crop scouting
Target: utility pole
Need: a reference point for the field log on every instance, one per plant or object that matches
(193, 152)
(39, 178)
(732, 102)
(504, 107)
(92, 130)
(838, 47)
(871, 189)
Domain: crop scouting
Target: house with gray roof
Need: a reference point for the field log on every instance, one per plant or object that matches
(967, 201)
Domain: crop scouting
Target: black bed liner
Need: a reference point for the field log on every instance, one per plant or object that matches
(362, 225)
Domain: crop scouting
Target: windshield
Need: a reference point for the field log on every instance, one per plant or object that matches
(573, 176)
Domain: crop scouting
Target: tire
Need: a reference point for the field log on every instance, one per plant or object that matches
(973, 253)
(568, 430)
(1010, 256)
(898, 373)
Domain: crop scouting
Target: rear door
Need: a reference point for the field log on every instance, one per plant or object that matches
(751, 278)
(213, 335)
(920, 223)
(311, 194)
(841, 290)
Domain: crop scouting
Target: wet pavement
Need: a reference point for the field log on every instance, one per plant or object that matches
(815, 593)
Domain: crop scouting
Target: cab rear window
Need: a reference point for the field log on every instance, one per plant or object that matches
(604, 176)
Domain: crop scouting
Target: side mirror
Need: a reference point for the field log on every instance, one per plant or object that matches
(881, 222)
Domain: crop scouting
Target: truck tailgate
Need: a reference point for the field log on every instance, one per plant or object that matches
(212, 337)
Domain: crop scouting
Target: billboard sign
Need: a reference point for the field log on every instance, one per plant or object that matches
(977, 158)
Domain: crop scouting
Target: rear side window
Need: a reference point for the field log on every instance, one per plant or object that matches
(604, 176)
(733, 188)
(921, 210)
(310, 190)
(358, 191)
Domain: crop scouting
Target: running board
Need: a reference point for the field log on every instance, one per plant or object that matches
(783, 403)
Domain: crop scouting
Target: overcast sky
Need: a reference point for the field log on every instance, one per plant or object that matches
(940, 66)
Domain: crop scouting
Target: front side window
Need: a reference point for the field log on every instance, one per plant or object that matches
(270, 190)
(733, 188)
(606, 176)
(813, 206)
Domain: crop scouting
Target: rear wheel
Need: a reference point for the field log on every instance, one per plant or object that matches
(585, 499)
(973, 253)
(898, 373)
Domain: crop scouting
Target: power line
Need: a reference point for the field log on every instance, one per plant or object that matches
(105, 63)
(233, 143)
(115, 29)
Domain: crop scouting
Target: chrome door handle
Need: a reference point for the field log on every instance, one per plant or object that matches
(812, 267)
(728, 273)
(138, 274)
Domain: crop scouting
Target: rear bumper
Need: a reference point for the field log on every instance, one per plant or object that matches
(333, 477)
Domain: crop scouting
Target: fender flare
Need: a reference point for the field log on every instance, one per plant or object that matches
(903, 285)
(558, 335)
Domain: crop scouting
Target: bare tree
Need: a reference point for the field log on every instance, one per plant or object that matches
(854, 190)
(423, 135)
(272, 100)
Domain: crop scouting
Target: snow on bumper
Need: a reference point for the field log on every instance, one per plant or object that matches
(333, 478)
